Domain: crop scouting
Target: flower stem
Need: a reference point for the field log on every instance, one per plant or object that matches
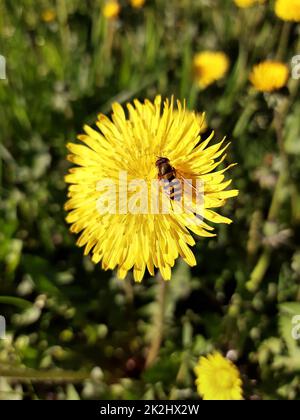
(259, 271)
(284, 39)
(158, 321)
(264, 261)
(56, 375)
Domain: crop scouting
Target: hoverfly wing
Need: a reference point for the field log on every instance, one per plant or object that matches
(173, 189)
(193, 197)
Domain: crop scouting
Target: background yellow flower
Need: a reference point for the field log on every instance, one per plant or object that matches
(111, 9)
(248, 3)
(209, 67)
(269, 76)
(288, 10)
(48, 15)
(137, 4)
(218, 378)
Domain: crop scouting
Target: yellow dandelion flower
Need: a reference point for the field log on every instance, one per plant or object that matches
(269, 76)
(202, 121)
(218, 379)
(48, 15)
(209, 67)
(203, 126)
(200, 118)
(111, 9)
(135, 147)
(288, 10)
(137, 4)
(248, 3)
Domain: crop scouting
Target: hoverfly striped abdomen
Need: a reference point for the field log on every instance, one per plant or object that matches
(167, 175)
(173, 189)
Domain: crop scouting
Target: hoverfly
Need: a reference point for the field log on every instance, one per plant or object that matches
(167, 173)
(174, 184)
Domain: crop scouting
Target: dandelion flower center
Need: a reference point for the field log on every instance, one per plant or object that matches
(224, 379)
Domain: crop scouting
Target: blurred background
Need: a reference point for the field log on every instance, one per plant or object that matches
(77, 332)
